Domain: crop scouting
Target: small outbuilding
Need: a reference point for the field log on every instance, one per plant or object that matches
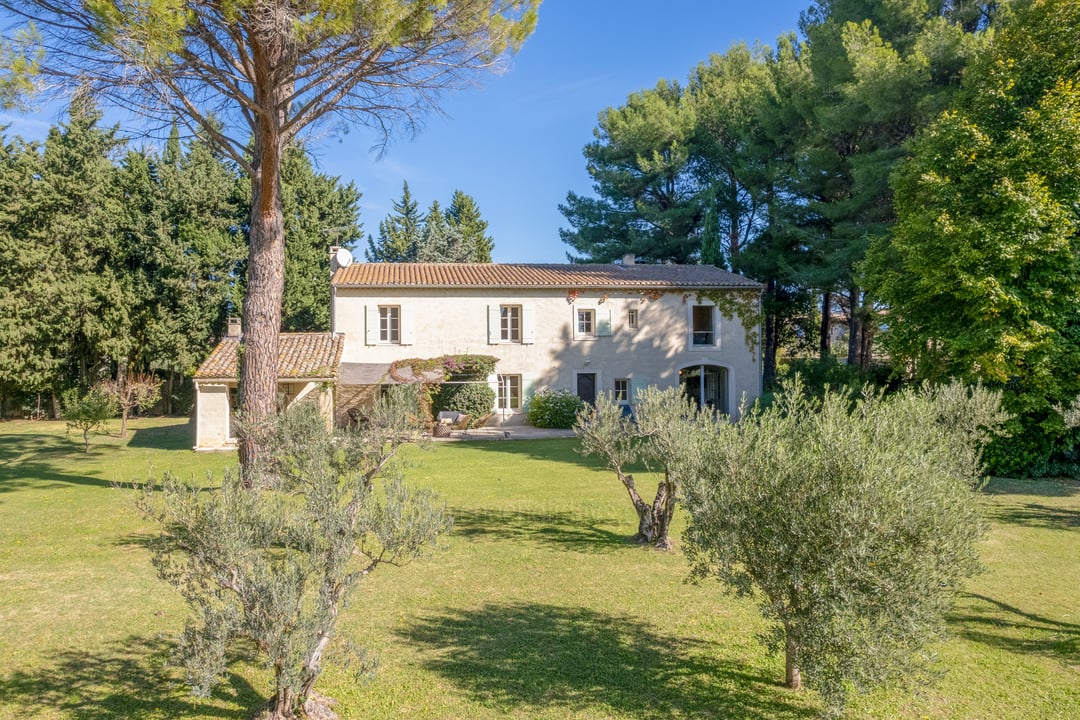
(308, 365)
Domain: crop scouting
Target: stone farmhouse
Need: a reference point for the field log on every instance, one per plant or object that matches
(587, 328)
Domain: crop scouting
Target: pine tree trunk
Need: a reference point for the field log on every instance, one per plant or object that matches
(826, 317)
(854, 327)
(166, 396)
(768, 360)
(265, 287)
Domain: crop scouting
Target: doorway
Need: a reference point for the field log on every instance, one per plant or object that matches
(586, 387)
(706, 385)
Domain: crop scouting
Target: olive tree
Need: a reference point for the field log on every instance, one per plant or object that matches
(270, 567)
(663, 434)
(853, 522)
(251, 76)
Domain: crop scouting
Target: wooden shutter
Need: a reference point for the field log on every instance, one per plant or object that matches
(528, 324)
(494, 324)
(408, 335)
(371, 324)
(603, 322)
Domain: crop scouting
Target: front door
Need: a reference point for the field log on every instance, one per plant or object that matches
(586, 387)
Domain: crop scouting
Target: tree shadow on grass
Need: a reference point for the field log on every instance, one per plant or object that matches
(1038, 515)
(525, 657)
(558, 528)
(127, 679)
(168, 437)
(1045, 487)
(555, 450)
(991, 622)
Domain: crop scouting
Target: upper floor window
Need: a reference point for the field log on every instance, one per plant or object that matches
(510, 323)
(390, 324)
(632, 319)
(509, 394)
(703, 325)
(586, 323)
(622, 390)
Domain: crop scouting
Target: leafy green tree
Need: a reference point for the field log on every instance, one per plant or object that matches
(67, 298)
(87, 412)
(880, 72)
(270, 568)
(664, 431)
(197, 265)
(399, 233)
(439, 241)
(29, 357)
(319, 211)
(464, 216)
(855, 543)
(979, 278)
(638, 164)
(252, 77)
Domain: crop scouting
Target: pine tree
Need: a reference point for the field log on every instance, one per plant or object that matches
(439, 241)
(399, 233)
(464, 216)
(319, 211)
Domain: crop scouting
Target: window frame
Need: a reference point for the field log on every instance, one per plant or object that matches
(390, 324)
(703, 338)
(621, 395)
(512, 382)
(511, 324)
(580, 314)
(632, 319)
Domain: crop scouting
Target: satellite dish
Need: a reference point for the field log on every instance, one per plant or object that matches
(343, 257)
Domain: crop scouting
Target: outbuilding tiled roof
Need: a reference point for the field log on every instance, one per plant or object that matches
(300, 355)
(504, 275)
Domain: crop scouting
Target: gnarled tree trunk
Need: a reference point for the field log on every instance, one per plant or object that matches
(654, 520)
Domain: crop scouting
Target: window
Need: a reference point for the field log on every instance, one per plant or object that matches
(586, 323)
(509, 394)
(631, 319)
(510, 323)
(702, 328)
(390, 324)
(622, 391)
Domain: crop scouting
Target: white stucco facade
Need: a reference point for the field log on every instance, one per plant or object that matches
(563, 339)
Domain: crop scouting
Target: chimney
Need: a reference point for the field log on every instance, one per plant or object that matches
(628, 259)
(234, 330)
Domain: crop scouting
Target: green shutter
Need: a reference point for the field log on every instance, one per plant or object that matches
(603, 322)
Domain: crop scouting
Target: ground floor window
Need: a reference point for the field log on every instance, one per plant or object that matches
(622, 390)
(509, 392)
(706, 385)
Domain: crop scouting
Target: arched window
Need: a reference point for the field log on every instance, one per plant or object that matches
(706, 385)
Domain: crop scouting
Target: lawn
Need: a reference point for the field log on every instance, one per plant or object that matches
(535, 607)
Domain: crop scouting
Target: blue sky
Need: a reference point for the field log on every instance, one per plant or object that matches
(514, 143)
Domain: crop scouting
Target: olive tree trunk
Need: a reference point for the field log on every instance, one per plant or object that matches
(654, 520)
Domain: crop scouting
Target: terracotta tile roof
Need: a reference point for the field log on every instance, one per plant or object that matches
(300, 355)
(567, 276)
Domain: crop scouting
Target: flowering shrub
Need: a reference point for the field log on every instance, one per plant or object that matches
(554, 409)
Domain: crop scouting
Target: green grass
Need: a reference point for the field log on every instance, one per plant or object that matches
(536, 606)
